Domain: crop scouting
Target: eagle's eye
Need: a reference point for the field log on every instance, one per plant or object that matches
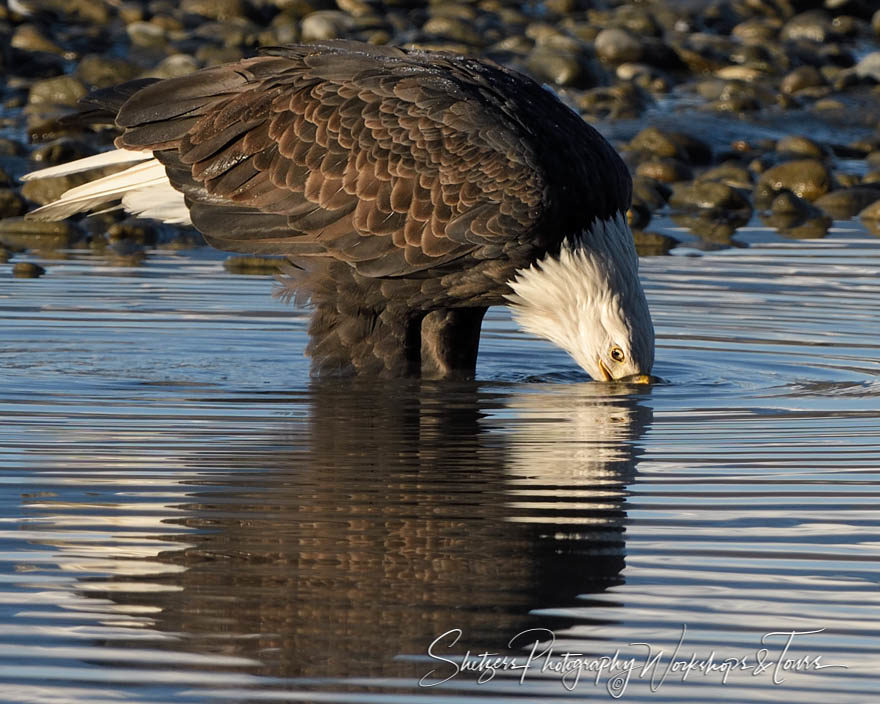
(617, 354)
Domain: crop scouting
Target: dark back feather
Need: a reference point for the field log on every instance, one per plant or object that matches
(395, 162)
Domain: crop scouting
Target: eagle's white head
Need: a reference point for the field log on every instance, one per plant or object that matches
(588, 300)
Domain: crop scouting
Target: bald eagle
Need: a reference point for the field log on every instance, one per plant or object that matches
(408, 190)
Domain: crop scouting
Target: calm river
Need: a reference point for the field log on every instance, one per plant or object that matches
(187, 517)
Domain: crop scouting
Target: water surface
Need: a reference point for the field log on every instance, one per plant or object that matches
(187, 517)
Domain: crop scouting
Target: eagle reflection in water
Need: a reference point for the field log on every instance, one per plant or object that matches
(373, 522)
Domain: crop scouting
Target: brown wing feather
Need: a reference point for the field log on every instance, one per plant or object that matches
(391, 161)
(375, 158)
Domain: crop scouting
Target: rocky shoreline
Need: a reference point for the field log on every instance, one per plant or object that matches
(796, 83)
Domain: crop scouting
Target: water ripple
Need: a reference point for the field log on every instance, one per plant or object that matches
(186, 517)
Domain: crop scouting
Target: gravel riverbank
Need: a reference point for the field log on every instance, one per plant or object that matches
(727, 112)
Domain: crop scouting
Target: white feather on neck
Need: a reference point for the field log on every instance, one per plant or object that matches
(593, 274)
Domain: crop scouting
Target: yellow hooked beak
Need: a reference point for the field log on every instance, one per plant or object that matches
(634, 379)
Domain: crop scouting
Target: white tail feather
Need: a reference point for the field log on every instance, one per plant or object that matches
(143, 189)
(111, 158)
(160, 202)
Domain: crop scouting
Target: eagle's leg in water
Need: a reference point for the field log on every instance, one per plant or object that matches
(382, 342)
(440, 344)
(450, 339)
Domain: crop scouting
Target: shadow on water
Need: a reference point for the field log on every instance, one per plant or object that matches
(390, 515)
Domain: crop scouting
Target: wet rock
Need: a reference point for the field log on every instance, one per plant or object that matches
(787, 203)
(847, 202)
(730, 173)
(560, 67)
(27, 270)
(238, 32)
(510, 47)
(875, 23)
(800, 146)
(644, 76)
(835, 54)
(325, 24)
(171, 25)
(214, 9)
(813, 26)
(550, 35)
(146, 35)
(811, 229)
(131, 12)
(585, 31)
(862, 147)
(711, 225)
(869, 67)
(11, 147)
(806, 178)
(453, 28)
(125, 254)
(830, 109)
(619, 102)
(664, 170)
(678, 145)
(560, 7)
(252, 265)
(702, 53)
(871, 177)
(46, 190)
(44, 126)
(85, 11)
(4, 254)
(638, 19)
(846, 180)
(184, 238)
(651, 192)
(741, 96)
(11, 204)
(29, 38)
(51, 92)
(355, 8)
(618, 45)
(710, 89)
(61, 150)
(790, 214)
(174, 66)
(802, 78)
(756, 57)
(652, 244)
(208, 55)
(746, 74)
(19, 233)
(847, 26)
(871, 212)
(96, 225)
(134, 230)
(98, 71)
(707, 195)
(285, 27)
(758, 30)
(457, 10)
(638, 215)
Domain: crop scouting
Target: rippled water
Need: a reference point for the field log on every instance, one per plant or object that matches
(186, 517)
